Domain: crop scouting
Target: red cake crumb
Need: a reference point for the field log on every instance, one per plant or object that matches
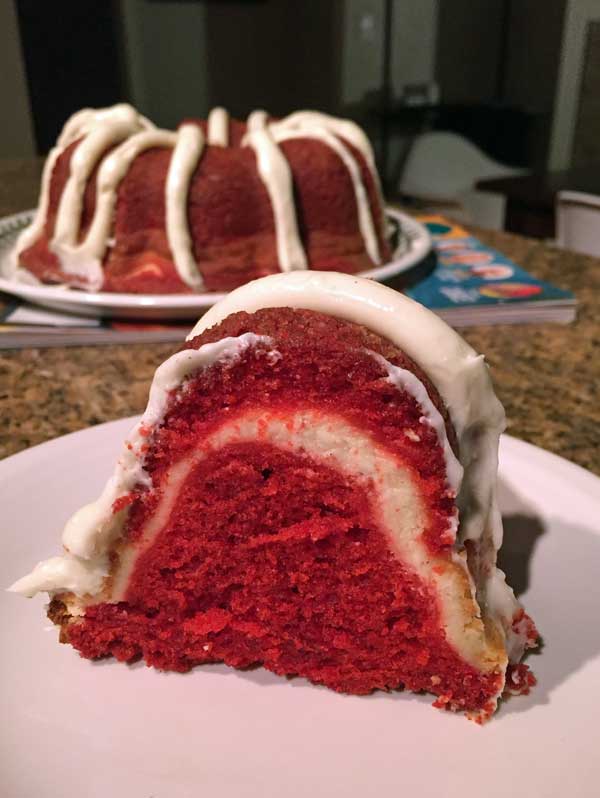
(271, 558)
(123, 501)
(523, 625)
(519, 680)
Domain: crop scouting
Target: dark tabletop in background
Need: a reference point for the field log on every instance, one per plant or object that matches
(547, 375)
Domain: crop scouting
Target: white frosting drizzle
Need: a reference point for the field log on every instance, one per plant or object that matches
(365, 216)
(276, 174)
(218, 128)
(186, 155)
(257, 121)
(30, 235)
(85, 259)
(88, 119)
(405, 380)
(79, 125)
(99, 130)
(82, 577)
(91, 530)
(344, 128)
(113, 130)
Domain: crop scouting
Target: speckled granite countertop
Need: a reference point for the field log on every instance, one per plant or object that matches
(547, 376)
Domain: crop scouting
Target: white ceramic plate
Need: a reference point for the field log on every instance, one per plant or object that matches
(414, 244)
(72, 728)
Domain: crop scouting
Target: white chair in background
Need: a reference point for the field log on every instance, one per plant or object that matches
(578, 222)
(443, 167)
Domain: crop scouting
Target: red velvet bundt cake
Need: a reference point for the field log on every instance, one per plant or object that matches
(127, 207)
(311, 489)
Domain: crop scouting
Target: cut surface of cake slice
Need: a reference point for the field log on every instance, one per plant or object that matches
(310, 489)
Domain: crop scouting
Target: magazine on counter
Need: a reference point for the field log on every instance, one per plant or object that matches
(472, 283)
(465, 283)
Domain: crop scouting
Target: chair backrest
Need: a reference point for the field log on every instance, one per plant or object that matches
(578, 222)
(443, 165)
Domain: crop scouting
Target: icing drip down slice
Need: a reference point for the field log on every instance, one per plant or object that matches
(187, 153)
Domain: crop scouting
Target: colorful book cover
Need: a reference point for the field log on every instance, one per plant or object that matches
(470, 274)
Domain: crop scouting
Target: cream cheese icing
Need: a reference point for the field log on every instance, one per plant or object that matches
(365, 217)
(218, 128)
(344, 128)
(187, 153)
(85, 259)
(407, 381)
(98, 129)
(99, 139)
(276, 174)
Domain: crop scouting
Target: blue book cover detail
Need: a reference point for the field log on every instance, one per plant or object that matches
(469, 273)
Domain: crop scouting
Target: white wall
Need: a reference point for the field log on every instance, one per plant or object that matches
(362, 49)
(413, 40)
(16, 128)
(578, 13)
(165, 57)
(414, 29)
(414, 25)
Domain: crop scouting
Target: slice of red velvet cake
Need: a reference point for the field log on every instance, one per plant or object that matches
(311, 489)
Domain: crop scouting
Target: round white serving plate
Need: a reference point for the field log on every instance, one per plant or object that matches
(73, 728)
(414, 243)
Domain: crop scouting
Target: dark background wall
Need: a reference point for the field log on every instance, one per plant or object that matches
(495, 63)
(288, 53)
(72, 59)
